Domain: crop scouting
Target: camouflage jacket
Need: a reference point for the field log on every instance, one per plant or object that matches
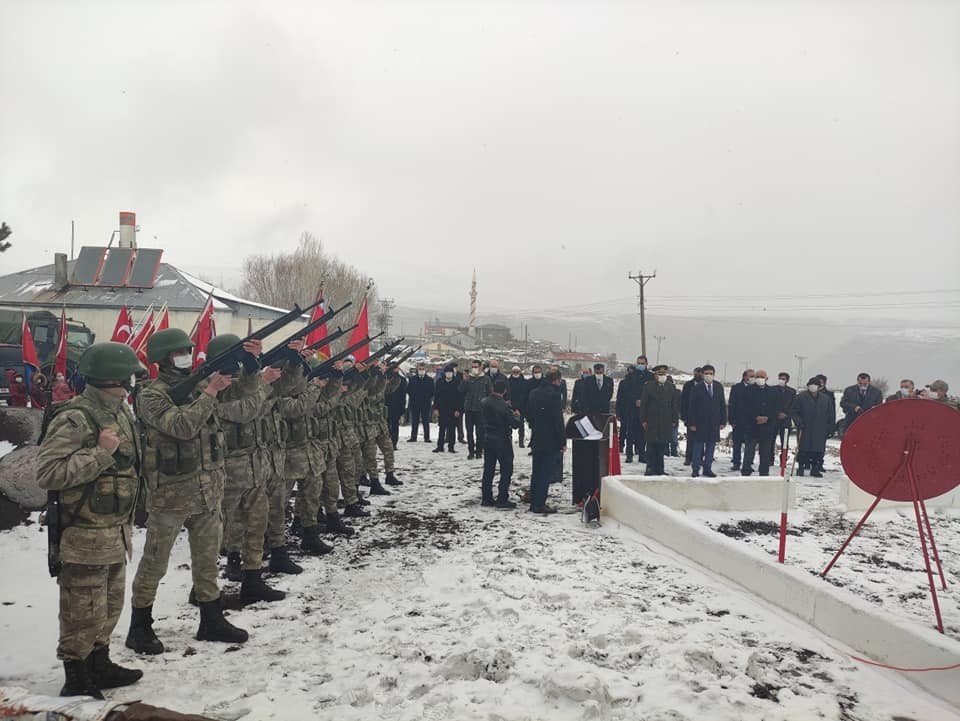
(240, 407)
(184, 447)
(98, 489)
(302, 457)
(329, 399)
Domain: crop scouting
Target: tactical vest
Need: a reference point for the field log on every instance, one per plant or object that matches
(242, 438)
(109, 500)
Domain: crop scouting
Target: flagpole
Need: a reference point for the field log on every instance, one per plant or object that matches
(140, 324)
(196, 323)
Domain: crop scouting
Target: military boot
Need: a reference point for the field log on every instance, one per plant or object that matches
(280, 562)
(78, 681)
(376, 489)
(355, 510)
(234, 569)
(392, 480)
(336, 525)
(214, 627)
(253, 589)
(311, 543)
(141, 637)
(364, 480)
(107, 674)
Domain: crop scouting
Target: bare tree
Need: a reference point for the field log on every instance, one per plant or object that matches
(5, 232)
(882, 384)
(295, 277)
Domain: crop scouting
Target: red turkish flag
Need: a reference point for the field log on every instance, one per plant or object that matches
(361, 332)
(319, 333)
(139, 341)
(164, 321)
(205, 331)
(124, 326)
(30, 357)
(60, 363)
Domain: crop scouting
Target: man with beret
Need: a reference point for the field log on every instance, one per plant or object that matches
(937, 391)
(659, 413)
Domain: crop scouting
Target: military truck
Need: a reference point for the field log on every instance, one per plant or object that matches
(45, 329)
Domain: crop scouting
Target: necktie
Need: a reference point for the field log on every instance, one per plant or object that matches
(600, 383)
(710, 389)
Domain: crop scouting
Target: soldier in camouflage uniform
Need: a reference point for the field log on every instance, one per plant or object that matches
(376, 431)
(244, 496)
(327, 442)
(184, 469)
(348, 458)
(91, 454)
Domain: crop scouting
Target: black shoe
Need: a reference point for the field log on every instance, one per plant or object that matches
(530, 453)
(376, 489)
(695, 474)
(520, 444)
(735, 466)
(816, 473)
(451, 450)
(362, 500)
(479, 453)
(800, 471)
(506, 504)
(234, 572)
(470, 456)
(438, 450)
(336, 525)
(355, 510)
(544, 510)
(392, 480)
(311, 543)
(106, 674)
(709, 474)
(280, 562)
(488, 502)
(687, 462)
(426, 440)
(141, 637)
(364, 480)
(214, 627)
(394, 446)
(78, 681)
(629, 459)
(746, 471)
(413, 440)
(253, 589)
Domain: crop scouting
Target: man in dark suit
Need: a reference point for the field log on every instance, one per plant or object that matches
(597, 392)
(857, 400)
(578, 399)
(706, 417)
(787, 394)
(549, 439)
(396, 403)
(737, 415)
(420, 389)
(685, 410)
(762, 406)
(637, 443)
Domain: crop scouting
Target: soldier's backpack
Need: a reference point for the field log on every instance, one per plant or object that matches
(590, 514)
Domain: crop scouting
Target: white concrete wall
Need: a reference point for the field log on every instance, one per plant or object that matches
(713, 494)
(856, 500)
(868, 629)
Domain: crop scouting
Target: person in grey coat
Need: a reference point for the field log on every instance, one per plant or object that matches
(659, 413)
(814, 413)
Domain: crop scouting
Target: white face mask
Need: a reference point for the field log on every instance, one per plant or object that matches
(708, 377)
(421, 373)
(474, 371)
(750, 381)
(781, 382)
(905, 392)
(813, 388)
(661, 379)
(133, 382)
(448, 375)
(760, 381)
(183, 362)
(863, 386)
(538, 376)
(347, 365)
(494, 370)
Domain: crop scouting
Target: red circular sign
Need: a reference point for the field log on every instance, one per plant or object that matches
(877, 443)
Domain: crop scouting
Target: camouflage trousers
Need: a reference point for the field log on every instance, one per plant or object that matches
(348, 470)
(205, 533)
(309, 490)
(378, 436)
(331, 479)
(245, 513)
(278, 496)
(91, 598)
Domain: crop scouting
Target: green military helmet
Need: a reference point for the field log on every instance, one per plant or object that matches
(220, 343)
(110, 362)
(164, 342)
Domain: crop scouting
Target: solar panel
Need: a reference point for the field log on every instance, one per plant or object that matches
(145, 267)
(87, 266)
(116, 267)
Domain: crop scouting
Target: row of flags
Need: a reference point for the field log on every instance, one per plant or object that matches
(204, 330)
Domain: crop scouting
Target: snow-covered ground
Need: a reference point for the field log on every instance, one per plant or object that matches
(441, 609)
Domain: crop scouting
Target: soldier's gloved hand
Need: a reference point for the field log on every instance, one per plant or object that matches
(270, 374)
(217, 383)
(108, 440)
(253, 347)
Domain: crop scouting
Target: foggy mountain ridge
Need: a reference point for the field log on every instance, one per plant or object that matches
(839, 350)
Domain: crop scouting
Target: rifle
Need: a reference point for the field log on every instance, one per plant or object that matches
(54, 524)
(232, 356)
(330, 338)
(387, 349)
(294, 357)
(405, 356)
(279, 351)
(328, 364)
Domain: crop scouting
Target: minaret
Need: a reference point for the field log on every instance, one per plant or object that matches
(471, 325)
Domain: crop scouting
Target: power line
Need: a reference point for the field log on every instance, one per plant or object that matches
(642, 281)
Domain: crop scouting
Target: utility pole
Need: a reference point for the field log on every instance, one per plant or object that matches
(385, 316)
(800, 359)
(72, 235)
(660, 339)
(642, 280)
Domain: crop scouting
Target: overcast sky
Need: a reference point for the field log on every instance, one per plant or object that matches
(771, 150)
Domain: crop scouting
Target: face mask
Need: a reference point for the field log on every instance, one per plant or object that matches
(183, 362)
(863, 386)
(749, 381)
(421, 373)
(494, 371)
(18, 379)
(760, 381)
(813, 388)
(538, 376)
(474, 371)
(708, 378)
(905, 391)
(448, 375)
(781, 382)
(347, 365)
(584, 375)
(641, 367)
(133, 383)
(661, 379)
(59, 379)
